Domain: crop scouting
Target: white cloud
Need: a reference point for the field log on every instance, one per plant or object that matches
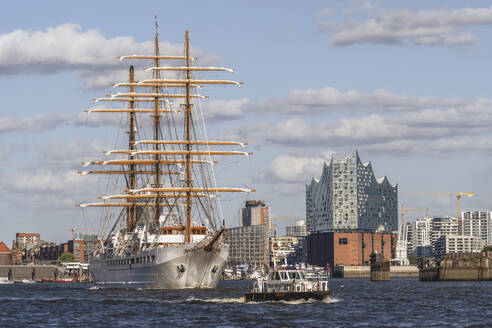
(68, 47)
(38, 123)
(327, 100)
(287, 174)
(218, 110)
(58, 154)
(289, 169)
(430, 27)
(44, 180)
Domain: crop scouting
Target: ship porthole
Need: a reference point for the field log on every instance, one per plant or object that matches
(214, 269)
(181, 268)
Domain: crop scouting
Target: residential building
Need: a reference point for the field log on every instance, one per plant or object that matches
(424, 233)
(298, 230)
(458, 244)
(249, 245)
(27, 238)
(90, 246)
(255, 213)
(5, 255)
(76, 247)
(51, 251)
(442, 226)
(477, 224)
(348, 197)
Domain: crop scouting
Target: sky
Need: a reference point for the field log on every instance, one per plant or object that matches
(407, 84)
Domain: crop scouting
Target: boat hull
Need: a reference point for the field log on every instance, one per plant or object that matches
(172, 267)
(286, 296)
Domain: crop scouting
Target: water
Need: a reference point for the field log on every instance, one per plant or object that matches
(403, 302)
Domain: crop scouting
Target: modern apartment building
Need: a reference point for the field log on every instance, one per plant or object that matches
(458, 244)
(423, 234)
(26, 238)
(249, 245)
(348, 197)
(255, 212)
(477, 224)
(298, 230)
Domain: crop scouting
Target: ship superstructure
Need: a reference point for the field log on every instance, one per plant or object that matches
(169, 231)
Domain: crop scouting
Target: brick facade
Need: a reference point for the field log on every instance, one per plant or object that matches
(349, 248)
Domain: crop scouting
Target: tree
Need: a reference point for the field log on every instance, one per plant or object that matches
(67, 257)
(413, 259)
(487, 248)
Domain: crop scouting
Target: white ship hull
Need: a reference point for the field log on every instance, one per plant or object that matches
(171, 267)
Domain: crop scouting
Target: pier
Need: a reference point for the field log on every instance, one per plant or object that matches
(458, 267)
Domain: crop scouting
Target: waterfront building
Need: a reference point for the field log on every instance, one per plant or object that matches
(76, 247)
(51, 251)
(5, 254)
(477, 224)
(298, 230)
(26, 238)
(423, 234)
(348, 197)
(442, 226)
(90, 246)
(419, 237)
(458, 244)
(349, 248)
(249, 245)
(255, 212)
(350, 214)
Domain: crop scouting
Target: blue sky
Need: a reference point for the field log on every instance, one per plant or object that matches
(408, 85)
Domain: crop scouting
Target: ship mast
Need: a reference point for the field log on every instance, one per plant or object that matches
(157, 123)
(149, 161)
(131, 215)
(188, 144)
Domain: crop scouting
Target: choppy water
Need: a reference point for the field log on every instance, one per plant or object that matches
(403, 302)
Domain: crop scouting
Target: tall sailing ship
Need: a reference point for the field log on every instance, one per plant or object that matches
(170, 232)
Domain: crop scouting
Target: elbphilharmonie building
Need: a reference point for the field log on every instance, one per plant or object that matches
(348, 198)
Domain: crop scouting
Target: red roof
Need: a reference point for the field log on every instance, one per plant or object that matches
(4, 248)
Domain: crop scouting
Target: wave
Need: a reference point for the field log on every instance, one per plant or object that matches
(327, 300)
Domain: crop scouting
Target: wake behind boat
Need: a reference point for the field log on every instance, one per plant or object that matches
(167, 233)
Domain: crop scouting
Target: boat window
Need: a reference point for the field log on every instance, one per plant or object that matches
(277, 276)
(283, 275)
(302, 275)
(294, 275)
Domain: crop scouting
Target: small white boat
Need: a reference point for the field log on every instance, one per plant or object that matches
(287, 285)
(5, 280)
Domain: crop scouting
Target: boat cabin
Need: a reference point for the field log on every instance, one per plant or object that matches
(288, 281)
(175, 235)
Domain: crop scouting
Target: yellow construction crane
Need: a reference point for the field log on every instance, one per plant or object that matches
(73, 230)
(280, 218)
(458, 196)
(406, 210)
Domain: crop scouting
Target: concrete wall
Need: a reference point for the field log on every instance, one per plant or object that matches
(459, 269)
(364, 271)
(35, 272)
